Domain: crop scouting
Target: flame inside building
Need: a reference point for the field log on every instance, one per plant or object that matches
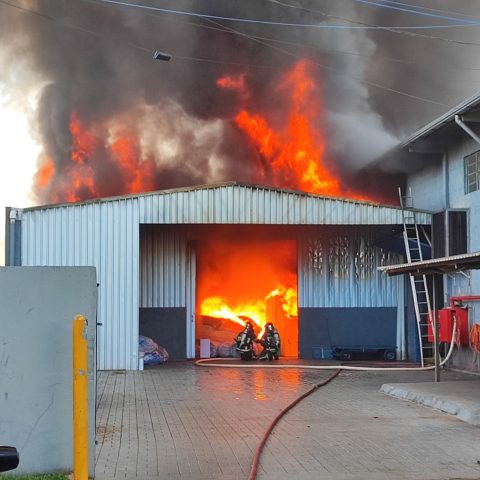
(245, 280)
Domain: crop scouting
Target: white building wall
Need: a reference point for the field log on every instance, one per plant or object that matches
(104, 235)
(459, 284)
(428, 188)
(430, 191)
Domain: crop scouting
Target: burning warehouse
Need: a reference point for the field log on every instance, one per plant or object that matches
(256, 94)
(185, 264)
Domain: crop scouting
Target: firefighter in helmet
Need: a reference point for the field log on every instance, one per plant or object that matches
(244, 342)
(270, 341)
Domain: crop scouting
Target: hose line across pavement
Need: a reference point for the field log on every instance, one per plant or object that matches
(258, 452)
(222, 362)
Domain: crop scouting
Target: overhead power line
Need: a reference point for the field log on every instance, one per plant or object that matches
(336, 71)
(416, 12)
(272, 23)
(377, 27)
(430, 9)
(66, 24)
(216, 61)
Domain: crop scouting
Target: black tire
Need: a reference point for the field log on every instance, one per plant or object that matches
(346, 355)
(270, 357)
(389, 355)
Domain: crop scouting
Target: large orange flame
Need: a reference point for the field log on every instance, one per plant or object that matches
(137, 176)
(45, 173)
(256, 310)
(97, 166)
(294, 152)
(80, 172)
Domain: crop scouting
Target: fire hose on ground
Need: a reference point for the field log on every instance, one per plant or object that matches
(208, 362)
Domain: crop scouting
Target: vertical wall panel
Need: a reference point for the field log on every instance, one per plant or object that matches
(103, 235)
(342, 272)
(163, 267)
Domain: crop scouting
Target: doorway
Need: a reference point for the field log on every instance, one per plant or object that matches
(240, 280)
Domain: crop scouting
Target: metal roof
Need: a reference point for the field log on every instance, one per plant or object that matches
(453, 263)
(192, 188)
(446, 118)
(234, 203)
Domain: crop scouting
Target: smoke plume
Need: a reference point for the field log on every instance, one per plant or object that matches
(113, 120)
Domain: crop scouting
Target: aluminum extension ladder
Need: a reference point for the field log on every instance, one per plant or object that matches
(418, 282)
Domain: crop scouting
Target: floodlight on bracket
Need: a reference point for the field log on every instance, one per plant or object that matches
(158, 55)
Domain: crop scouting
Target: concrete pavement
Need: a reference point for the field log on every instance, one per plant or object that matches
(179, 421)
(459, 398)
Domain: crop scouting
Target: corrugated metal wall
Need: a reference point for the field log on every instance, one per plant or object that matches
(256, 205)
(341, 271)
(104, 235)
(162, 268)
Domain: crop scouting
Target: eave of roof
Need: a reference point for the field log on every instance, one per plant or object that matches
(453, 263)
(446, 118)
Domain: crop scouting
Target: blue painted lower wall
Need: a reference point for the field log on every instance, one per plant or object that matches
(320, 328)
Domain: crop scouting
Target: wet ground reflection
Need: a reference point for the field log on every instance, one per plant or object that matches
(259, 384)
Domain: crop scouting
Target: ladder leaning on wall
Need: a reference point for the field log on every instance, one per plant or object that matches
(418, 282)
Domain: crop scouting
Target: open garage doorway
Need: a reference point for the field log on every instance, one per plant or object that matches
(246, 280)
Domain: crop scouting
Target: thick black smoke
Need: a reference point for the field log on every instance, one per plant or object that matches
(95, 59)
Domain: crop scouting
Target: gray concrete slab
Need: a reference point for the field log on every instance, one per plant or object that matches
(459, 398)
(184, 422)
(37, 308)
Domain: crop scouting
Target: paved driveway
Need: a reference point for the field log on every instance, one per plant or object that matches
(179, 421)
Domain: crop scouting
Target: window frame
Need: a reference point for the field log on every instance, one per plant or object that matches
(471, 167)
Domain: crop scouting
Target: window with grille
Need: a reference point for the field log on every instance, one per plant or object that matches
(472, 172)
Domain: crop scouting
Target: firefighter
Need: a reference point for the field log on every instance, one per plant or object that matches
(270, 342)
(245, 341)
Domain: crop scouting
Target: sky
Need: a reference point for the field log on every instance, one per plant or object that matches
(19, 158)
(85, 110)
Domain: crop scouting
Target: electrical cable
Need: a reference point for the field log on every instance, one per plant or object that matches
(214, 61)
(431, 9)
(419, 7)
(345, 52)
(416, 12)
(225, 29)
(64, 23)
(379, 27)
(258, 452)
(272, 23)
(334, 70)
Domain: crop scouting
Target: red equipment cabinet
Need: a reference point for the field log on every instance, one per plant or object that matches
(462, 325)
(445, 325)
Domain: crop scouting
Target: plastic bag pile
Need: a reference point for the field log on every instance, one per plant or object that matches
(153, 354)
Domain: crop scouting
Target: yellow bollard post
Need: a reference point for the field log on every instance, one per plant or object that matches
(80, 399)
